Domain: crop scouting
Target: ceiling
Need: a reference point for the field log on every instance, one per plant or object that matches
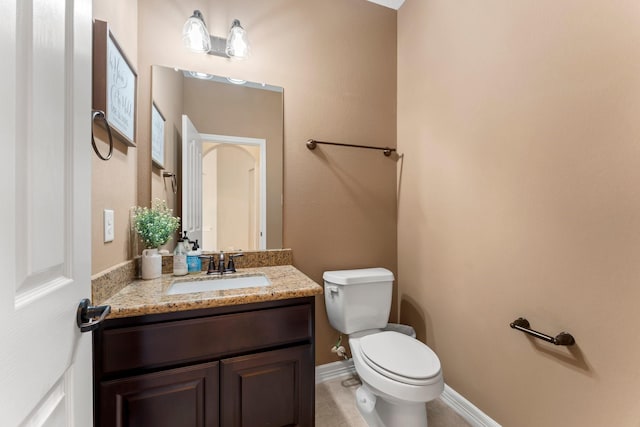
(393, 4)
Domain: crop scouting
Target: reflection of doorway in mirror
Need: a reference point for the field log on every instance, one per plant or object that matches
(230, 196)
(239, 162)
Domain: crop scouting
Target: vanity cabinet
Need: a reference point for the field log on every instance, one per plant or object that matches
(248, 365)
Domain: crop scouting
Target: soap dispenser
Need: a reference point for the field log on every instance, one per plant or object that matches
(194, 263)
(180, 259)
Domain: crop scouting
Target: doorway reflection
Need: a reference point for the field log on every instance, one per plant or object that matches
(231, 197)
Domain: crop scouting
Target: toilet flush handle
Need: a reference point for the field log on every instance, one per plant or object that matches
(332, 289)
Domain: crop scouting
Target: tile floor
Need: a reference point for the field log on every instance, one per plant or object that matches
(335, 407)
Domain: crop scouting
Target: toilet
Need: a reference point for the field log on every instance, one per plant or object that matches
(399, 374)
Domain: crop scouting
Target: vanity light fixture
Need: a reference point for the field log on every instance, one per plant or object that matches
(196, 38)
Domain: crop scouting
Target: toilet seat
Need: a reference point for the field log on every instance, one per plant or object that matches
(400, 357)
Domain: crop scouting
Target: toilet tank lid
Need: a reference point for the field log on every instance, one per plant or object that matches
(361, 275)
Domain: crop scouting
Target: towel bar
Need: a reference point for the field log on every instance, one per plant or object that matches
(312, 143)
(563, 338)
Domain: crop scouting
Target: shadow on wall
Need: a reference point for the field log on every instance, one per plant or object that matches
(570, 356)
(346, 176)
(411, 314)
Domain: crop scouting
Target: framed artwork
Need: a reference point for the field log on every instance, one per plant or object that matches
(114, 84)
(157, 136)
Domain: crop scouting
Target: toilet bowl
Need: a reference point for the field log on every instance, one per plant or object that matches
(399, 374)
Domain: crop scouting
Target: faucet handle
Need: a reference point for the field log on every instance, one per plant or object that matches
(231, 267)
(212, 266)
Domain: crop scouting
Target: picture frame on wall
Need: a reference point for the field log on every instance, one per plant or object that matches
(114, 84)
(157, 136)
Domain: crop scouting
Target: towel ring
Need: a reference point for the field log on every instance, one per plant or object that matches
(100, 116)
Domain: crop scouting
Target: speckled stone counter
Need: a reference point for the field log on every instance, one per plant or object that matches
(111, 281)
(142, 297)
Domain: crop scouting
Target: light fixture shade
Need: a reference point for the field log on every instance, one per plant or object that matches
(237, 42)
(195, 35)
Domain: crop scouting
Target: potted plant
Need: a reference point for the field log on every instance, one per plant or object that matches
(155, 226)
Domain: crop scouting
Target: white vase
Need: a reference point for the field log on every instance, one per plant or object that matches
(151, 264)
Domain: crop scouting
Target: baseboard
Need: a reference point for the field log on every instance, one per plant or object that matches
(466, 409)
(450, 397)
(332, 370)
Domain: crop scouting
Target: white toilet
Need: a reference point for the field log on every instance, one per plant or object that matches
(399, 374)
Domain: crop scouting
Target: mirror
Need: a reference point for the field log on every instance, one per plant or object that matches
(227, 136)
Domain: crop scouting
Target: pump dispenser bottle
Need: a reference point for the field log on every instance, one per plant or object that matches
(179, 259)
(194, 263)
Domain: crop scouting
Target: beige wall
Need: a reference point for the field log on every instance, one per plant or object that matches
(114, 181)
(235, 176)
(519, 197)
(336, 60)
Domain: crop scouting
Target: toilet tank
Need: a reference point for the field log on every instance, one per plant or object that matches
(359, 299)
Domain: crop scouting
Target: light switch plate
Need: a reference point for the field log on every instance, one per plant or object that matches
(108, 225)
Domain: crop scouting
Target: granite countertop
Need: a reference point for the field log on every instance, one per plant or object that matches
(142, 297)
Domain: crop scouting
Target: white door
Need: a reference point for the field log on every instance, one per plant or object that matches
(45, 114)
(191, 180)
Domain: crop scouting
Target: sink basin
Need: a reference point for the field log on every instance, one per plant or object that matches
(217, 284)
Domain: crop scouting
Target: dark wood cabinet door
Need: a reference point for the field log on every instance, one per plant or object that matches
(273, 388)
(185, 397)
